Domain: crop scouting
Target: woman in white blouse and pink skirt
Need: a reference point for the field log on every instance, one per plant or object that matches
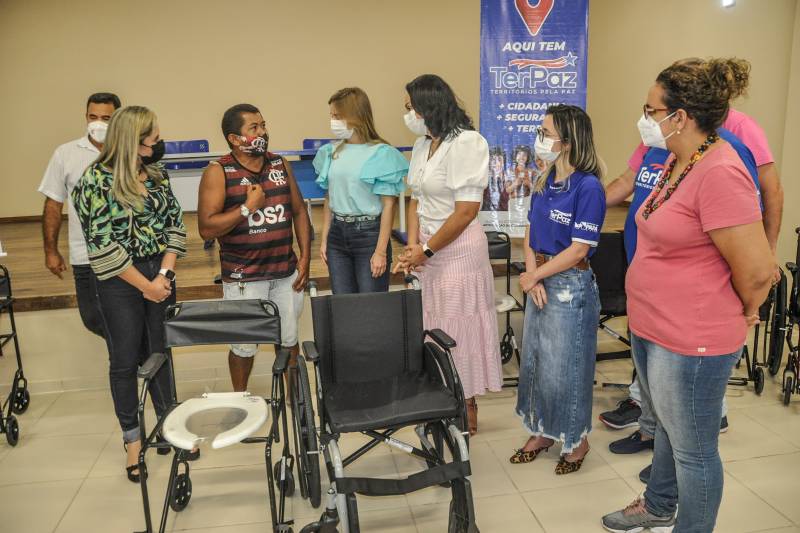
(447, 247)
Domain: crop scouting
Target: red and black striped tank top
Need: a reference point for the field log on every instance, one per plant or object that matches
(260, 246)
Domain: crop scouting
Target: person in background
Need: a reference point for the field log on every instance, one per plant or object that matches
(702, 221)
(250, 202)
(446, 244)
(67, 165)
(568, 207)
(644, 169)
(520, 186)
(133, 226)
(363, 175)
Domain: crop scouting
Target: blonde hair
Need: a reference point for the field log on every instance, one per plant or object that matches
(127, 129)
(574, 127)
(352, 104)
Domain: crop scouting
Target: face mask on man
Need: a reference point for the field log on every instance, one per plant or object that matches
(254, 145)
(97, 130)
(158, 153)
(415, 123)
(543, 147)
(651, 133)
(340, 130)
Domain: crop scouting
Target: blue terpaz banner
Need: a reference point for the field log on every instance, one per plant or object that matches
(533, 55)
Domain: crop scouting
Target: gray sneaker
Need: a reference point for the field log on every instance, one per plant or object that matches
(635, 518)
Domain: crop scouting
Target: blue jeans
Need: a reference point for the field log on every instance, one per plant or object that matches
(554, 397)
(686, 394)
(350, 248)
(86, 295)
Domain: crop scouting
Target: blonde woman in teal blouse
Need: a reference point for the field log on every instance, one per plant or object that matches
(363, 176)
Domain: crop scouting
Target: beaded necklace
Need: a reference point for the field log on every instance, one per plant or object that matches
(652, 204)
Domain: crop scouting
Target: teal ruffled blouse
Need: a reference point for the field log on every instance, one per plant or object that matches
(359, 176)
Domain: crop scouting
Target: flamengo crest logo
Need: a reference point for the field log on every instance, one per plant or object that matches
(534, 17)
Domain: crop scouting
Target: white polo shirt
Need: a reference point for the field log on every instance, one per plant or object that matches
(66, 167)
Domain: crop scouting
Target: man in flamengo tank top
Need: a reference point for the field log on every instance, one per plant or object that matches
(249, 201)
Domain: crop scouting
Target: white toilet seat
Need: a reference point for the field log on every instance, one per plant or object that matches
(504, 303)
(255, 408)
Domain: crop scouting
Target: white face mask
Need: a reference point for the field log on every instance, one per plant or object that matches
(544, 149)
(97, 130)
(415, 123)
(650, 130)
(339, 129)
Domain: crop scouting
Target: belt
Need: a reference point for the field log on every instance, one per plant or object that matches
(355, 218)
(541, 259)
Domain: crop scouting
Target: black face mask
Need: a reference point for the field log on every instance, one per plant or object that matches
(158, 153)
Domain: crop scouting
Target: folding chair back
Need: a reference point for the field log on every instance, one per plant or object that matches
(222, 322)
(499, 245)
(610, 265)
(366, 337)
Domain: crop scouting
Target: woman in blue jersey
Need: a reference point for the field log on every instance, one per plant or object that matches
(568, 207)
(363, 176)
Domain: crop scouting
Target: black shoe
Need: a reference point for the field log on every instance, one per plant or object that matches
(631, 444)
(644, 475)
(723, 426)
(624, 416)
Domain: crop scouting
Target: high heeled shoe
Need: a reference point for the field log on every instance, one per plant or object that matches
(568, 467)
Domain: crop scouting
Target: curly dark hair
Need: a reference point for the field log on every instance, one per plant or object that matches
(433, 98)
(521, 148)
(704, 88)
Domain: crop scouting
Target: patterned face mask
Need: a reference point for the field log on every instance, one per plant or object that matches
(254, 145)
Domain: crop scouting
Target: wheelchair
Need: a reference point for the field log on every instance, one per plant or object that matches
(19, 398)
(792, 369)
(377, 371)
(500, 250)
(212, 323)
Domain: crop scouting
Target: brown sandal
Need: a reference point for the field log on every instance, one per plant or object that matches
(568, 467)
(472, 416)
(521, 456)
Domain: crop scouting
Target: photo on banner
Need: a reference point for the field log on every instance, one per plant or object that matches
(533, 55)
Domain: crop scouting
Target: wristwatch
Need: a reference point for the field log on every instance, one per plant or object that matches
(244, 210)
(427, 251)
(167, 273)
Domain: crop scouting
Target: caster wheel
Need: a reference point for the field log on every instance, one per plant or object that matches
(788, 388)
(21, 401)
(287, 485)
(506, 349)
(758, 380)
(12, 430)
(181, 492)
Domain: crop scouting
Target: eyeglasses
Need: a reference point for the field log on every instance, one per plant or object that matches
(540, 134)
(648, 111)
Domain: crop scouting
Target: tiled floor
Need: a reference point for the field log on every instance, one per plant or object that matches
(66, 474)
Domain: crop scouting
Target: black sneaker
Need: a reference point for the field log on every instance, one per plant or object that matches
(631, 444)
(723, 426)
(644, 475)
(625, 415)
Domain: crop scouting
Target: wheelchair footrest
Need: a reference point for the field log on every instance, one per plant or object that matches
(437, 475)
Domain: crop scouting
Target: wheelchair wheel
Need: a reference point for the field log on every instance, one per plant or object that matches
(777, 328)
(788, 386)
(12, 430)
(21, 401)
(181, 492)
(352, 514)
(462, 515)
(287, 485)
(307, 452)
(758, 380)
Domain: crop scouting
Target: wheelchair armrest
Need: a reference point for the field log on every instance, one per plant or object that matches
(442, 339)
(310, 351)
(792, 267)
(282, 356)
(519, 266)
(150, 367)
(443, 363)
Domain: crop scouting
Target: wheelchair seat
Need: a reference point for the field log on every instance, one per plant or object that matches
(395, 401)
(254, 408)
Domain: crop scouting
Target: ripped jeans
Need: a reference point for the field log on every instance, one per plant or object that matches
(556, 374)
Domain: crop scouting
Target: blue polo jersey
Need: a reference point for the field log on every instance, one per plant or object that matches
(653, 167)
(567, 212)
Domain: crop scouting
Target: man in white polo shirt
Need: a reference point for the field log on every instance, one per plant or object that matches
(66, 167)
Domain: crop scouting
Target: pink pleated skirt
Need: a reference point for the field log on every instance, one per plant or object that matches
(458, 298)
